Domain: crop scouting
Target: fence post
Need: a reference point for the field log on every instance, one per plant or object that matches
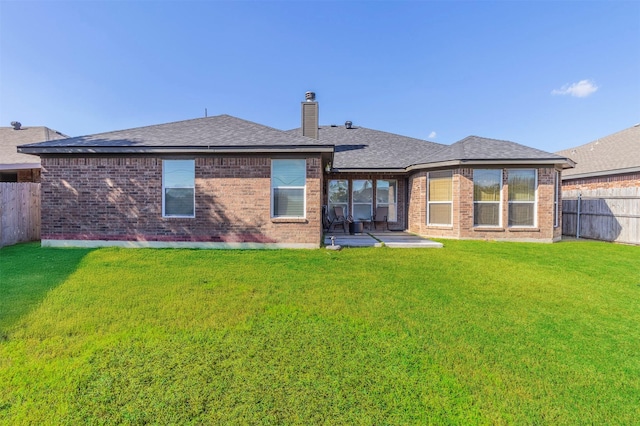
(578, 217)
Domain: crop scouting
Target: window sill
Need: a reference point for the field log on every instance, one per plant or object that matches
(486, 229)
(523, 229)
(289, 220)
(446, 227)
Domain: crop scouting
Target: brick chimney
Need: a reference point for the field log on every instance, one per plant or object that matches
(310, 116)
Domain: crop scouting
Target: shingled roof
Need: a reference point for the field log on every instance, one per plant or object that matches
(221, 133)
(354, 149)
(614, 154)
(362, 148)
(10, 138)
(359, 148)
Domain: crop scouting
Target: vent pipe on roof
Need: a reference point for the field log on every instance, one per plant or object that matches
(16, 125)
(310, 116)
(348, 124)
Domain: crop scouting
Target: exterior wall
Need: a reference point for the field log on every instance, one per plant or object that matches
(120, 199)
(29, 175)
(602, 184)
(462, 219)
(400, 224)
(20, 176)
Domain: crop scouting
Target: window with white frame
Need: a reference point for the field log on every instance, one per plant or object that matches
(387, 196)
(522, 197)
(338, 196)
(440, 198)
(178, 188)
(487, 189)
(556, 196)
(288, 183)
(362, 198)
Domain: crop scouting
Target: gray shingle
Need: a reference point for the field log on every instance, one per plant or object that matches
(217, 131)
(477, 148)
(606, 155)
(362, 148)
(10, 139)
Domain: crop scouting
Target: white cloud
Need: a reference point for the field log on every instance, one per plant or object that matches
(581, 89)
(432, 135)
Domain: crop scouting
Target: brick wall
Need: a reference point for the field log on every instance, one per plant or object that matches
(29, 175)
(462, 219)
(120, 199)
(599, 183)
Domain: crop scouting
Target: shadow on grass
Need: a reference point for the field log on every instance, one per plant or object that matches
(27, 273)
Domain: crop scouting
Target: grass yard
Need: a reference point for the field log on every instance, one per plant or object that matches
(475, 333)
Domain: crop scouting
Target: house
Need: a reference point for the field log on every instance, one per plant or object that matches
(606, 177)
(605, 164)
(16, 167)
(225, 182)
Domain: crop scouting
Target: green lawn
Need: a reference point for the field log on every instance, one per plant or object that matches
(474, 333)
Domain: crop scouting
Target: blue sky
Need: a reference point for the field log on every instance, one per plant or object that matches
(551, 75)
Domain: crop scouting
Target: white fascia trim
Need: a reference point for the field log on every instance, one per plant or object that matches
(486, 163)
(176, 244)
(365, 170)
(174, 150)
(601, 173)
(20, 166)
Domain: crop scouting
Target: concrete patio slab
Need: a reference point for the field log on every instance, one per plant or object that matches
(378, 239)
(404, 240)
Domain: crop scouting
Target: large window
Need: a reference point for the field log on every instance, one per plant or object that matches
(522, 197)
(338, 197)
(440, 198)
(487, 187)
(178, 188)
(387, 196)
(288, 181)
(362, 199)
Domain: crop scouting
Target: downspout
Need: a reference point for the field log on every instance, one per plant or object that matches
(578, 219)
(406, 203)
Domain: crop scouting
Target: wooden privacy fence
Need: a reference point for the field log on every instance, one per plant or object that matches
(19, 212)
(606, 218)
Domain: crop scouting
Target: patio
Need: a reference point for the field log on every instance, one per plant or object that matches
(394, 239)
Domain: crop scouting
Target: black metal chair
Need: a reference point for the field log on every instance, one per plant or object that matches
(339, 219)
(381, 216)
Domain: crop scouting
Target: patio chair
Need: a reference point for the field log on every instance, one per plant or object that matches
(339, 219)
(381, 216)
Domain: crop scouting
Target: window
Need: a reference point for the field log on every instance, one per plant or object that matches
(386, 196)
(288, 182)
(522, 197)
(487, 187)
(178, 188)
(338, 196)
(440, 198)
(556, 195)
(362, 199)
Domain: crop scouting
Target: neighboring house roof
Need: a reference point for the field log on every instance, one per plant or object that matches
(614, 154)
(222, 133)
(10, 158)
(360, 148)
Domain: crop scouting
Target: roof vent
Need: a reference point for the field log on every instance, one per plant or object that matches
(348, 124)
(310, 96)
(16, 125)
